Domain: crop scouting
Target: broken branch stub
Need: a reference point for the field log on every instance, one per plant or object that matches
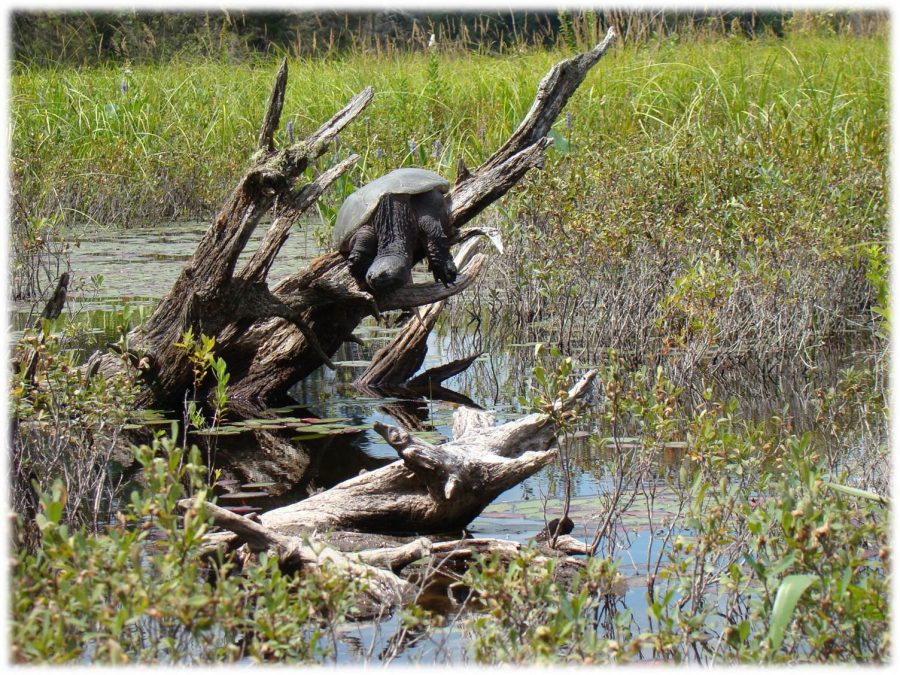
(273, 112)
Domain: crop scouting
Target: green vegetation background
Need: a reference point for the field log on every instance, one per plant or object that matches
(124, 143)
(709, 192)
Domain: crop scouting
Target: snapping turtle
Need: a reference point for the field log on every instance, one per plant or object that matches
(390, 224)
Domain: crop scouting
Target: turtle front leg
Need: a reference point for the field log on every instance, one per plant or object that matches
(440, 261)
(432, 213)
(362, 252)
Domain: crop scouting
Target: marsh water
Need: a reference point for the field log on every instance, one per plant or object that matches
(117, 277)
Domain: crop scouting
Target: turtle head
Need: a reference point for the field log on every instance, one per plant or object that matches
(396, 230)
(388, 272)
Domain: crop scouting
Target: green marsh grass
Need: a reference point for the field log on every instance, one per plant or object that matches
(698, 181)
(724, 198)
(706, 179)
(172, 144)
(123, 145)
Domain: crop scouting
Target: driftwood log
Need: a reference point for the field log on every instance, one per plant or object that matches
(380, 567)
(272, 337)
(431, 489)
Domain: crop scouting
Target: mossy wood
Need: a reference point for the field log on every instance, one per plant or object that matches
(272, 337)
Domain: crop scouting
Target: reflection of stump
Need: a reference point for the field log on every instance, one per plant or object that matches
(271, 338)
(54, 306)
(52, 310)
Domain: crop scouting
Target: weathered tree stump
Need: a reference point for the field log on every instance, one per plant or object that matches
(273, 337)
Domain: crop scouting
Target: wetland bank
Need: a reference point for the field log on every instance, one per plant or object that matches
(708, 232)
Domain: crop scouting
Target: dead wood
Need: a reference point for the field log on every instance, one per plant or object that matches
(382, 587)
(553, 93)
(208, 297)
(57, 301)
(432, 488)
(271, 337)
(433, 377)
(378, 567)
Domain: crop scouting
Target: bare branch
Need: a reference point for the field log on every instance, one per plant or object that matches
(383, 587)
(552, 95)
(273, 112)
(472, 196)
(289, 211)
(320, 139)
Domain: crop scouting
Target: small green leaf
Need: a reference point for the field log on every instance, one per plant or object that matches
(755, 566)
(776, 569)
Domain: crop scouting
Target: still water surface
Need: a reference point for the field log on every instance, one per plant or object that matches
(139, 266)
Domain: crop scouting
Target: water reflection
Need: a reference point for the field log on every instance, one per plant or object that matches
(296, 468)
(141, 264)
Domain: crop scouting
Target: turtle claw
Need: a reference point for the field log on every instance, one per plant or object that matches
(445, 273)
(358, 264)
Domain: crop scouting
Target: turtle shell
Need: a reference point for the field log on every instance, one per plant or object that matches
(358, 207)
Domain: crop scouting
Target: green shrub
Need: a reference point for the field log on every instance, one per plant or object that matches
(771, 551)
(140, 592)
(525, 613)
